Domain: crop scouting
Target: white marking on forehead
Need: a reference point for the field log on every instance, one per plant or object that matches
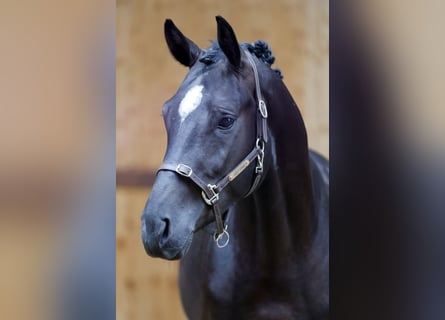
(190, 102)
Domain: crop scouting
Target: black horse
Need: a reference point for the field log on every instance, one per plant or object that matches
(239, 199)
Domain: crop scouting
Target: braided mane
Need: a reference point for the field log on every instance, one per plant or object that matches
(263, 52)
(259, 48)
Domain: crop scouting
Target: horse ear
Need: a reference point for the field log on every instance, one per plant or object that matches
(227, 42)
(183, 49)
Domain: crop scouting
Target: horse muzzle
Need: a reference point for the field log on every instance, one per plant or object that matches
(160, 242)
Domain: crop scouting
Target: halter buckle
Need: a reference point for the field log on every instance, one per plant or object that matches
(214, 198)
(184, 170)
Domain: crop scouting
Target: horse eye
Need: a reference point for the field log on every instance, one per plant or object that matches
(226, 123)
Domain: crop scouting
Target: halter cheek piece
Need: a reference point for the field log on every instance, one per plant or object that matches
(210, 192)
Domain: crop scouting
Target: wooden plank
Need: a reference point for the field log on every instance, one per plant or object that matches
(135, 177)
(146, 288)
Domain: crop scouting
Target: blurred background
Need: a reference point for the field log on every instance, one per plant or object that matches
(147, 75)
(58, 232)
(57, 160)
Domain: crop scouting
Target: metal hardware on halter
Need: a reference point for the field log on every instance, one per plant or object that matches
(184, 170)
(238, 170)
(260, 157)
(263, 109)
(218, 237)
(215, 195)
(260, 144)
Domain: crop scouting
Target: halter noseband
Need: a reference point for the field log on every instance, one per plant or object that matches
(210, 192)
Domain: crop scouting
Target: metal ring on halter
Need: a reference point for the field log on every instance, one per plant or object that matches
(218, 238)
(263, 109)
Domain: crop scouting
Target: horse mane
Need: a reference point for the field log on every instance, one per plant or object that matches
(259, 48)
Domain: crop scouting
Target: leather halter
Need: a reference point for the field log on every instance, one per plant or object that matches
(210, 192)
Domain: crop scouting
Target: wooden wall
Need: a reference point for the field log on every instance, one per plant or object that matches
(146, 288)
(147, 75)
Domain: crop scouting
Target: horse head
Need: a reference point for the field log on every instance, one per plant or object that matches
(211, 125)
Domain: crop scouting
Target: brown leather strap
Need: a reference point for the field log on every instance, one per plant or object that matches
(218, 220)
(262, 108)
(185, 171)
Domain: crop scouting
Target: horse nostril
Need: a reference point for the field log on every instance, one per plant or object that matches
(166, 228)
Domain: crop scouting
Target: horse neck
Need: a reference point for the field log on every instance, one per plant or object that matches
(282, 206)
